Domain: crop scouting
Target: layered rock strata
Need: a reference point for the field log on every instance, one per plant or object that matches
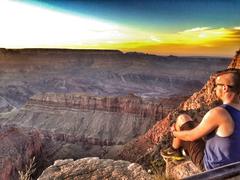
(121, 104)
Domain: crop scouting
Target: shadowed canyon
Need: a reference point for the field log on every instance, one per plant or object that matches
(70, 104)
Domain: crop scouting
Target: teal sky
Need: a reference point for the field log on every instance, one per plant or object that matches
(164, 15)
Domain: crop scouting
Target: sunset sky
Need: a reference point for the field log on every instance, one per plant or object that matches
(164, 27)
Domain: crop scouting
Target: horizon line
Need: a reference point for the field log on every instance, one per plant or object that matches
(117, 50)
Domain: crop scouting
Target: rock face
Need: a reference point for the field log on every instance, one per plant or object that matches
(94, 168)
(235, 63)
(17, 147)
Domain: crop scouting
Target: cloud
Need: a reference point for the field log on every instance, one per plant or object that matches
(154, 38)
(197, 29)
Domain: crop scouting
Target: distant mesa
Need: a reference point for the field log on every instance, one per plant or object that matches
(172, 56)
(29, 51)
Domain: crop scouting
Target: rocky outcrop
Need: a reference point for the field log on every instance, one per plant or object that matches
(94, 168)
(17, 148)
(235, 63)
(180, 170)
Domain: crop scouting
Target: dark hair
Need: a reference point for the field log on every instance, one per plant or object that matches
(236, 77)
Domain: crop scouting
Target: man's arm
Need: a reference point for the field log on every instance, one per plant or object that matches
(209, 123)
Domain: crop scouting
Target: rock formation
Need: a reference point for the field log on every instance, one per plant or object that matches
(235, 63)
(94, 168)
(181, 169)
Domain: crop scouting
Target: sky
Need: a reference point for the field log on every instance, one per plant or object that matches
(162, 27)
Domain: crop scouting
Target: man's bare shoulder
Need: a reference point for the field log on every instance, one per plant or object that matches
(218, 111)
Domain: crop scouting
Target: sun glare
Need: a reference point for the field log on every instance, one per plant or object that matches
(25, 25)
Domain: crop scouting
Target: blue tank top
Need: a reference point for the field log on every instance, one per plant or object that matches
(220, 151)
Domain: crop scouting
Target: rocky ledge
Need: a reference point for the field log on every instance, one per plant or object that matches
(94, 168)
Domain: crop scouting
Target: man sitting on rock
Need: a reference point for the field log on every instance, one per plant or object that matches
(220, 126)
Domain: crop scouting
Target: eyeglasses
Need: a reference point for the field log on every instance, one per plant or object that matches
(219, 84)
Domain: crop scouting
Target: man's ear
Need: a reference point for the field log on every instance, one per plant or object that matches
(225, 88)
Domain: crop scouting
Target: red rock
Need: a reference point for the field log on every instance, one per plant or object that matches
(17, 147)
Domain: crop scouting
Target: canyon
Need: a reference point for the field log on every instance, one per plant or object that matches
(104, 103)
(26, 72)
